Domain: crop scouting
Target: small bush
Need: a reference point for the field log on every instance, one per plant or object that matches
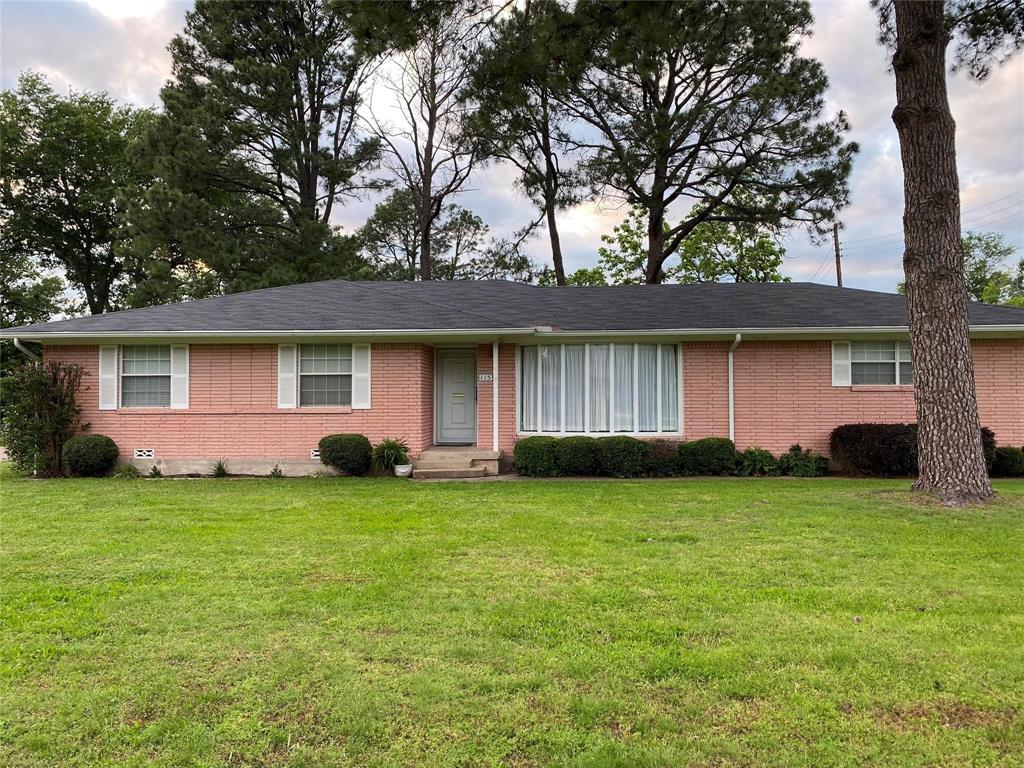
(621, 456)
(878, 450)
(576, 455)
(886, 450)
(350, 454)
(389, 453)
(757, 462)
(709, 456)
(276, 472)
(663, 458)
(1009, 462)
(535, 456)
(220, 469)
(89, 455)
(126, 471)
(798, 462)
(154, 471)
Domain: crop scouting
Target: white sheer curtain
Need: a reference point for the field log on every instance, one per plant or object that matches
(669, 389)
(551, 388)
(623, 387)
(528, 388)
(647, 385)
(600, 388)
(574, 388)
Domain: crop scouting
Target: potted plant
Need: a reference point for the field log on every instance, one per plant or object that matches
(392, 455)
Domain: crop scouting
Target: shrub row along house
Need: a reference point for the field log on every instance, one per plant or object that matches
(462, 370)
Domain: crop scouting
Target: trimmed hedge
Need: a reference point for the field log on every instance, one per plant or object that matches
(350, 454)
(621, 456)
(757, 462)
(535, 456)
(663, 458)
(1009, 462)
(709, 456)
(800, 462)
(89, 455)
(576, 455)
(886, 450)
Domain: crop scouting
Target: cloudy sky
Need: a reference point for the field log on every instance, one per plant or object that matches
(120, 46)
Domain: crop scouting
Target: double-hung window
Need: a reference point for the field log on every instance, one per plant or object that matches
(881, 362)
(325, 374)
(599, 388)
(146, 376)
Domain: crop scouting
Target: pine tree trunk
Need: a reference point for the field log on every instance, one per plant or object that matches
(556, 244)
(950, 457)
(653, 272)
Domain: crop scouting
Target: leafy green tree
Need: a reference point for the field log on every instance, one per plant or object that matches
(989, 279)
(460, 245)
(259, 143)
(951, 462)
(714, 252)
(66, 164)
(709, 103)
(518, 117)
(27, 295)
(582, 276)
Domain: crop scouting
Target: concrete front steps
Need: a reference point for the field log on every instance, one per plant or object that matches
(456, 461)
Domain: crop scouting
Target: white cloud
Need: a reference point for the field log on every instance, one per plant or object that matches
(127, 9)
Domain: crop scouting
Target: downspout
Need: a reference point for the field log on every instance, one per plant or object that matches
(494, 394)
(732, 394)
(25, 350)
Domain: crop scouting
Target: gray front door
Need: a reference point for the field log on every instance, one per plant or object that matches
(456, 396)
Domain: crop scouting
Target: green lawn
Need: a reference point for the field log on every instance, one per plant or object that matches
(381, 622)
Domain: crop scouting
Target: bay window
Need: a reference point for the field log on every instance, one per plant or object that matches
(599, 388)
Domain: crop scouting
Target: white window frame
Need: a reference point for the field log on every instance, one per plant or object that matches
(121, 375)
(897, 361)
(635, 432)
(351, 375)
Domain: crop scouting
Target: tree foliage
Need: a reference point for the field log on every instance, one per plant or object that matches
(66, 165)
(706, 105)
(258, 143)
(714, 252)
(518, 116)
(28, 295)
(41, 413)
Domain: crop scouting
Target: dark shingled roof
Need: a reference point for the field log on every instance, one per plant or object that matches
(337, 305)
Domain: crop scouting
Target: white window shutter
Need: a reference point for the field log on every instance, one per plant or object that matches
(108, 378)
(361, 376)
(179, 376)
(286, 376)
(841, 375)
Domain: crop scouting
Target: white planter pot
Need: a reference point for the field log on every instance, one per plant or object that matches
(403, 470)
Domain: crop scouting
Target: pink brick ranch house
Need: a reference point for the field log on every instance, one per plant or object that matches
(258, 378)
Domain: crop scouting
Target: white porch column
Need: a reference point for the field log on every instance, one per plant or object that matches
(494, 394)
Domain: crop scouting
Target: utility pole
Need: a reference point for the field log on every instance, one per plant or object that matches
(839, 261)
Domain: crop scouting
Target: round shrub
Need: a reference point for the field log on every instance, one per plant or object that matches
(535, 456)
(89, 455)
(800, 462)
(349, 454)
(663, 458)
(878, 450)
(757, 462)
(1009, 462)
(621, 456)
(576, 455)
(709, 456)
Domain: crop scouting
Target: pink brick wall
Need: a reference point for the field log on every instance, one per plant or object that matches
(784, 395)
(233, 409)
(506, 397)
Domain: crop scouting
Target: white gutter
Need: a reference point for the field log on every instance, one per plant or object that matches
(732, 395)
(494, 395)
(25, 350)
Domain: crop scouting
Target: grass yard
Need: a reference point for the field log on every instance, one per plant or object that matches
(384, 623)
